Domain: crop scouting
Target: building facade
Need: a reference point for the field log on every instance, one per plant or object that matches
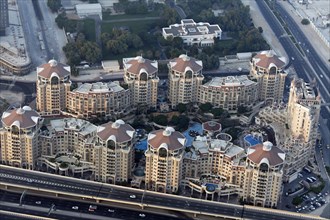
(229, 92)
(98, 99)
(185, 77)
(114, 152)
(53, 85)
(303, 115)
(263, 175)
(295, 126)
(192, 33)
(75, 146)
(19, 144)
(4, 17)
(267, 69)
(141, 76)
(164, 157)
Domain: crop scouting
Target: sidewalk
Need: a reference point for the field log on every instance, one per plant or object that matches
(267, 33)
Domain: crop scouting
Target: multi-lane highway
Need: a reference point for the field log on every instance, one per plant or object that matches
(304, 66)
(68, 209)
(43, 182)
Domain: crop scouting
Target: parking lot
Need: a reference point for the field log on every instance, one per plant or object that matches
(299, 188)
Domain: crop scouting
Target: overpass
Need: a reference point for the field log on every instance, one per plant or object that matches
(12, 178)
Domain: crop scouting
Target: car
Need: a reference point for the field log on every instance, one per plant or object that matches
(30, 180)
(132, 196)
(38, 202)
(92, 208)
(292, 58)
(111, 210)
(142, 215)
(75, 207)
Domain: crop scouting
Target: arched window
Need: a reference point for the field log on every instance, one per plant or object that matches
(162, 152)
(272, 70)
(264, 167)
(189, 74)
(111, 144)
(144, 76)
(15, 129)
(54, 81)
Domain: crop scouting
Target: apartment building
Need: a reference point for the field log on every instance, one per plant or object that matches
(141, 76)
(229, 92)
(185, 77)
(303, 115)
(295, 125)
(217, 158)
(19, 137)
(98, 99)
(4, 17)
(53, 85)
(192, 33)
(114, 152)
(164, 157)
(263, 175)
(267, 70)
(77, 146)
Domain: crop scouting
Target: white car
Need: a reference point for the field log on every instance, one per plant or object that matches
(132, 196)
(75, 207)
(142, 215)
(38, 202)
(111, 210)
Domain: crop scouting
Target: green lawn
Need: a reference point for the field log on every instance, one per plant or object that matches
(134, 26)
(89, 29)
(107, 16)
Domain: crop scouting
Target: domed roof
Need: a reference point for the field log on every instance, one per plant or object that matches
(139, 64)
(167, 138)
(21, 117)
(266, 153)
(184, 63)
(211, 126)
(53, 68)
(267, 59)
(117, 131)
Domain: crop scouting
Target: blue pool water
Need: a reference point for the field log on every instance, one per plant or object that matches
(251, 141)
(211, 187)
(142, 145)
(196, 127)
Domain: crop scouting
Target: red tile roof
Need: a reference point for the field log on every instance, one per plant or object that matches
(170, 138)
(180, 64)
(211, 126)
(266, 58)
(138, 64)
(119, 130)
(267, 153)
(22, 117)
(48, 69)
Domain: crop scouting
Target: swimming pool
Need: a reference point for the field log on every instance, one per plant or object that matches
(251, 141)
(142, 145)
(195, 127)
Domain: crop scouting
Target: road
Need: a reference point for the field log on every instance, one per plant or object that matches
(66, 205)
(38, 180)
(31, 29)
(303, 65)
